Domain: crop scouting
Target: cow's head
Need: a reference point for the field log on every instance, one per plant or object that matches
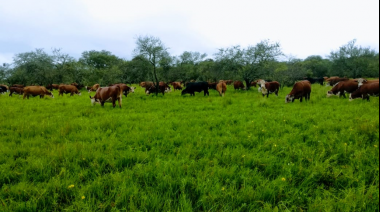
(184, 92)
(330, 93)
(289, 98)
(361, 81)
(94, 100)
(79, 93)
(149, 90)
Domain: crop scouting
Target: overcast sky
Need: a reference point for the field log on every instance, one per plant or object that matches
(303, 27)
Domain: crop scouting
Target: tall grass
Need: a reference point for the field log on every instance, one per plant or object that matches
(242, 152)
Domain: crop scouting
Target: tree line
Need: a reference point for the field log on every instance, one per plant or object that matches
(153, 62)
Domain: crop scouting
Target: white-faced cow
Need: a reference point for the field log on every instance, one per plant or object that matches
(300, 90)
(365, 91)
(269, 87)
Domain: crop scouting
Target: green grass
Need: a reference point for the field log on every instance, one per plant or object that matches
(242, 152)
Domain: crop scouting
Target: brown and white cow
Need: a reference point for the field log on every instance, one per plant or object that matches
(221, 87)
(92, 88)
(343, 87)
(365, 91)
(16, 90)
(105, 94)
(68, 89)
(239, 85)
(36, 91)
(300, 90)
(269, 87)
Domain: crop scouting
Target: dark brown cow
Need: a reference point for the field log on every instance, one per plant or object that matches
(269, 87)
(254, 83)
(343, 87)
(221, 87)
(68, 89)
(239, 85)
(36, 91)
(16, 90)
(300, 90)
(334, 80)
(176, 85)
(93, 88)
(366, 90)
(105, 94)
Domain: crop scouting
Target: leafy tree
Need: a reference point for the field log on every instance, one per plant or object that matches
(352, 60)
(153, 50)
(229, 62)
(316, 66)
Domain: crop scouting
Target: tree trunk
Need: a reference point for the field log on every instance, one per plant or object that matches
(155, 77)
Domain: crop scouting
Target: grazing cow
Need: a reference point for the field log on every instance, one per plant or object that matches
(254, 83)
(162, 87)
(71, 89)
(93, 88)
(366, 90)
(221, 87)
(52, 86)
(239, 85)
(105, 94)
(269, 87)
(300, 90)
(176, 85)
(36, 91)
(362, 81)
(343, 87)
(334, 80)
(193, 87)
(318, 80)
(16, 90)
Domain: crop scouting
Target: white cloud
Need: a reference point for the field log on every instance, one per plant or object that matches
(302, 27)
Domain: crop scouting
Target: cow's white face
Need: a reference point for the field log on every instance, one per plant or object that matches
(361, 81)
(133, 89)
(351, 99)
(147, 92)
(167, 90)
(52, 96)
(93, 101)
(289, 98)
(79, 94)
(259, 89)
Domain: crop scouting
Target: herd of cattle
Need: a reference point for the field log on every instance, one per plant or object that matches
(357, 88)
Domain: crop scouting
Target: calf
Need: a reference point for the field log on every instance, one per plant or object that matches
(193, 87)
(269, 87)
(366, 90)
(300, 89)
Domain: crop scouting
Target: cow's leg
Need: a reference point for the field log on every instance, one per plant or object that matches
(276, 92)
(301, 99)
(344, 95)
(102, 103)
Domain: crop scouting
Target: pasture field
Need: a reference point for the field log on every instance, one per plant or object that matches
(242, 152)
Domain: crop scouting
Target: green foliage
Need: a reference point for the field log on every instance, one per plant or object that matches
(242, 152)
